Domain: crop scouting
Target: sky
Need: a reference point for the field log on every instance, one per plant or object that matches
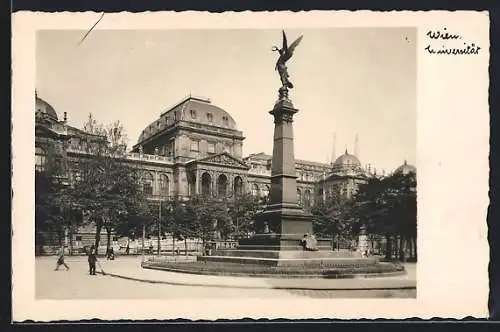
(348, 81)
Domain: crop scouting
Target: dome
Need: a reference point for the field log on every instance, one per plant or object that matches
(44, 108)
(191, 109)
(406, 168)
(347, 160)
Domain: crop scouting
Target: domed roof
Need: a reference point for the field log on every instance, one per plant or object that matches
(191, 109)
(347, 160)
(44, 109)
(406, 168)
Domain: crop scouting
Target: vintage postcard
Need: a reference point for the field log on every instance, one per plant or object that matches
(263, 165)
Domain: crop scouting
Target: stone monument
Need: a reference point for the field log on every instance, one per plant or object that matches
(283, 225)
(287, 221)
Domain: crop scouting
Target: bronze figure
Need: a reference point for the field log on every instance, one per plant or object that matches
(286, 53)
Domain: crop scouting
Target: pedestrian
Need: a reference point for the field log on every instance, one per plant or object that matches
(127, 250)
(312, 243)
(60, 259)
(303, 242)
(111, 253)
(92, 259)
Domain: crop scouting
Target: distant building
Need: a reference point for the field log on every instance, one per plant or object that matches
(344, 178)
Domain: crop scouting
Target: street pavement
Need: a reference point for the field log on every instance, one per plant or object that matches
(78, 284)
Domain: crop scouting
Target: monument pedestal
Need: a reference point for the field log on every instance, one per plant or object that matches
(283, 216)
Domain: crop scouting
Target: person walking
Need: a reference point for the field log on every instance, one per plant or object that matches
(92, 259)
(303, 243)
(60, 259)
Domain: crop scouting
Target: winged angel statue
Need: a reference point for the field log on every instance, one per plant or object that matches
(286, 53)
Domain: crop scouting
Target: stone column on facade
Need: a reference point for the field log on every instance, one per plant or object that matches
(230, 185)
(213, 190)
(182, 182)
(156, 183)
(197, 182)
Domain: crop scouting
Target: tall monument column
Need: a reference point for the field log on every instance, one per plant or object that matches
(286, 219)
(283, 174)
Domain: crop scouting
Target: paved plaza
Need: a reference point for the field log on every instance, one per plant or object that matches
(129, 281)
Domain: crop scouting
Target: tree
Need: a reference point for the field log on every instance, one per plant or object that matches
(105, 185)
(179, 218)
(242, 210)
(387, 207)
(54, 208)
(332, 218)
(402, 200)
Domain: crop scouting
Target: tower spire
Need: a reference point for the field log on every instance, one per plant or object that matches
(356, 147)
(334, 152)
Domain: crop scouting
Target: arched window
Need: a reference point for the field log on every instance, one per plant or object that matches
(255, 190)
(299, 196)
(206, 184)
(147, 183)
(238, 185)
(40, 159)
(222, 185)
(164, 185)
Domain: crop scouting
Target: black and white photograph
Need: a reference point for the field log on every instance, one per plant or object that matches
(276, 163)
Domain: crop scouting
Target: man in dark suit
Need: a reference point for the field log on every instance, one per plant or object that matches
(92, 259)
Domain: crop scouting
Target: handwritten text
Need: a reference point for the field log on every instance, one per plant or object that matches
(443, 42)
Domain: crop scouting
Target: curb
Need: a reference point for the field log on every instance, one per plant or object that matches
(171, 283)
(282, 276)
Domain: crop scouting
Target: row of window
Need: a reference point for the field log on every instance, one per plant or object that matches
(40, 159)
(169, 121)
(148, 185)
(209, 117)
(345, 191)
(221, 185)
(195, 146)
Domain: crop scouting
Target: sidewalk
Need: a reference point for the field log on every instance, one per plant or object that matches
(131, 269)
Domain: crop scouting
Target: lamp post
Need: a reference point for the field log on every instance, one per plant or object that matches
(143, 237)
(173, 240)
(159, 228)
(143, 221)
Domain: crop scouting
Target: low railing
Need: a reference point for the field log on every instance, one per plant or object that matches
(128, 156)
(257, 171)
(149, 157)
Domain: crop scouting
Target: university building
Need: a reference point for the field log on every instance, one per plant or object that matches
(194, 148)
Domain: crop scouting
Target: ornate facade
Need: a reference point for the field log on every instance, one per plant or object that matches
(193, 148)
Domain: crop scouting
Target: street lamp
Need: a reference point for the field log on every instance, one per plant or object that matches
(143, 220)
(143, 237)
(159, 228)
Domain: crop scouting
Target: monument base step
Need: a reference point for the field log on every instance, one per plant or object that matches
(286, 254)
(296, 259)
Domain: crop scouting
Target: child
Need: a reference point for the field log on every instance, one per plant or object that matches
(60, 260)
